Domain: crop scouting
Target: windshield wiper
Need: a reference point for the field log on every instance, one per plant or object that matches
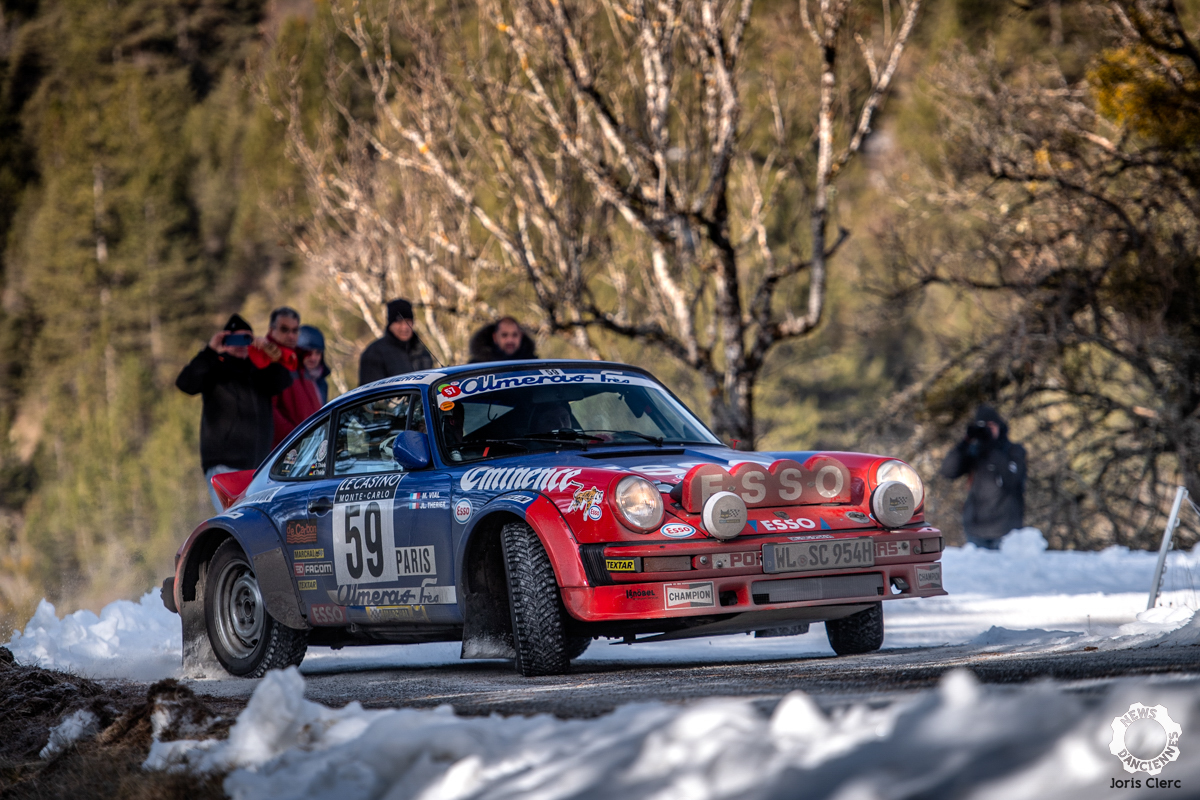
(657, 441)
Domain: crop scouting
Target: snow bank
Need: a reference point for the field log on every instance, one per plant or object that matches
(961, 739)
(142, 640)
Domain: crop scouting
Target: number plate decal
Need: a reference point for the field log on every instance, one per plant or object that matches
(364, 540)
(811, 556)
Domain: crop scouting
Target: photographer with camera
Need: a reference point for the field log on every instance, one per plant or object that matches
(236, 426)
(995, 470)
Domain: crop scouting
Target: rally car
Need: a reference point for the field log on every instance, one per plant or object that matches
(529, 507)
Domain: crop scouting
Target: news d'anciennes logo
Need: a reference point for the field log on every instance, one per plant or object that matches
(1145, 738)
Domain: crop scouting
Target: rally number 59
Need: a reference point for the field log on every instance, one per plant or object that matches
(362, 540)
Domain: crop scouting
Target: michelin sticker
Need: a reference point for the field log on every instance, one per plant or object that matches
(363, 537)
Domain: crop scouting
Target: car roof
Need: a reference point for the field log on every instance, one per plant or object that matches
(427, 377)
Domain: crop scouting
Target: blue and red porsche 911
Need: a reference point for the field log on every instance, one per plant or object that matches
(526, 508)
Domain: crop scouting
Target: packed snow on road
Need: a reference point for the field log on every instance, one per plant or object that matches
(961, 739)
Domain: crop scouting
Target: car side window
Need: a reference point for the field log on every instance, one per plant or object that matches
(305, 458)
(365, 434)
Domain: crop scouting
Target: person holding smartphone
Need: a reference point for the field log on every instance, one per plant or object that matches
(236, 425)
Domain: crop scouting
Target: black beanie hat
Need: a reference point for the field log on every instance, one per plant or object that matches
(236, 323)
(399, 309)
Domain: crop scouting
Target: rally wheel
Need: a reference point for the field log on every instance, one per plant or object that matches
(539, 636)
(857, 633)
(245, 638)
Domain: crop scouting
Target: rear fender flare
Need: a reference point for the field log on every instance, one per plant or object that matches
(259, 539)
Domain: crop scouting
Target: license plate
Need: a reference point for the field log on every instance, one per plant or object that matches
(808, 556)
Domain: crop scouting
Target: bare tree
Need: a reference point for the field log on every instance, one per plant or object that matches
(621, 157)
(1076, 209)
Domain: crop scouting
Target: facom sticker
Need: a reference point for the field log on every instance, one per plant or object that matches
(463, 511)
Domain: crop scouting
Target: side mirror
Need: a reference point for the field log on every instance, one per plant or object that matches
(411, 450)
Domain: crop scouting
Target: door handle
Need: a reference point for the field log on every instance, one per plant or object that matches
(319, 505)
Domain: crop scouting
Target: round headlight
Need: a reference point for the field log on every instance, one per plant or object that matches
(638, 503)
(899, 471)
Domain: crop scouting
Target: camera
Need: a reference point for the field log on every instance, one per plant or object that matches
(978, 431)
(239, 339)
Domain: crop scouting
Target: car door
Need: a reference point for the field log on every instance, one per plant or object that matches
(383, 527)
(301, 472)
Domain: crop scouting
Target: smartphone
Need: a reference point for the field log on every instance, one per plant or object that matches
(239, 339)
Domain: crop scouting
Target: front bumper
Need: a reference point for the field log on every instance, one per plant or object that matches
(705, 592)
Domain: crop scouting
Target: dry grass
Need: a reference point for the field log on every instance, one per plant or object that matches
(108, 765)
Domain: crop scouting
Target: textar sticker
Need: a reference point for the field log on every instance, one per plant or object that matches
(307, 586)
(620, 565)
(697, 594)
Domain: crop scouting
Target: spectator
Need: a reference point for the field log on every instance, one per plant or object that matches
(398, 351)
(995, 470)
(503, 340)
(311, 349)
(236, 426)
(300, 400)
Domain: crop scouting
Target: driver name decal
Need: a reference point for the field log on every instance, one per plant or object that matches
(364, 541)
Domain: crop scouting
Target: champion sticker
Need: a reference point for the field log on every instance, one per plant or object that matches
(697, 594)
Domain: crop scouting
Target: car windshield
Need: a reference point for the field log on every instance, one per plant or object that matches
(502, 414)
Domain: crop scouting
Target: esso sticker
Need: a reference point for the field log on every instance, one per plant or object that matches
(677, 530)
(324, 614)
(595, 512)
(462, 511)
(451, 391)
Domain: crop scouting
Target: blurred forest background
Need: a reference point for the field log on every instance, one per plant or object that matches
(1020, 226)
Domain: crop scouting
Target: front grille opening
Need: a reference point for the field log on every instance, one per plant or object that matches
(666, 563)
(729, 598)
(832, 587)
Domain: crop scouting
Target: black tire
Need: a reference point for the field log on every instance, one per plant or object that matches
(857, 633)
(577, 646)
(539, 637)
(244, 637)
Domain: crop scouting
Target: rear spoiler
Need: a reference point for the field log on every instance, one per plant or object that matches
(231, 486)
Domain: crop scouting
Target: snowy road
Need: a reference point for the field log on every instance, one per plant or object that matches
(597, 686)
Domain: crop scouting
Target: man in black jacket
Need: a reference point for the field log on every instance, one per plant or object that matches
(996, 471)
(236, 427)
(503, 340)
(398, 351)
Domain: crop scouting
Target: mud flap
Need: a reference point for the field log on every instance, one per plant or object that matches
(487, 632)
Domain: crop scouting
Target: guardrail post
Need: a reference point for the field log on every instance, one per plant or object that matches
(1164, 548)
